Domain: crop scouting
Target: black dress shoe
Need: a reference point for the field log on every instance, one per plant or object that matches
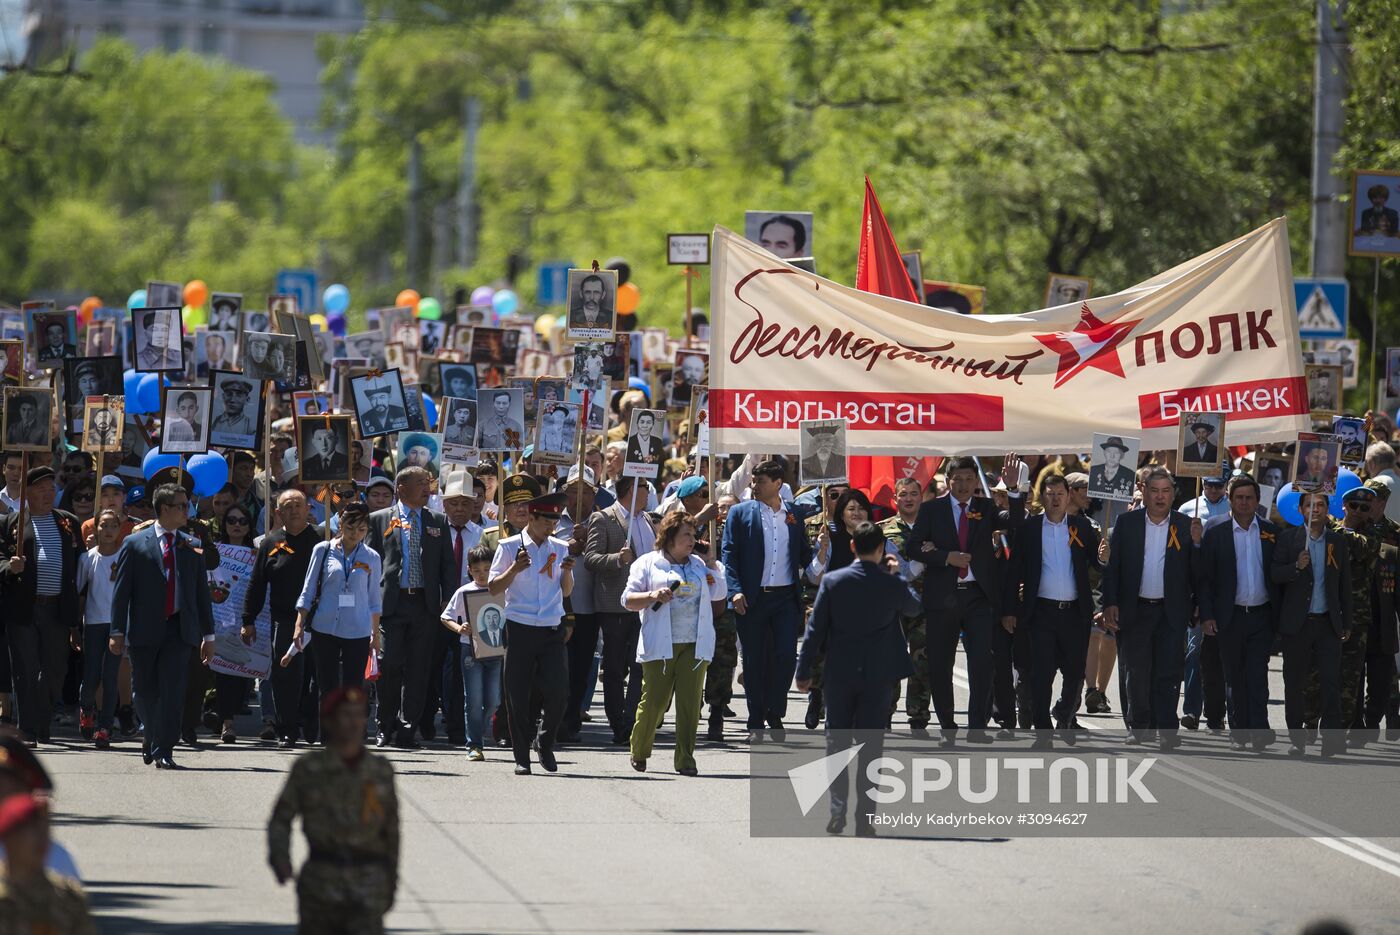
(948, 740)
(715, 732)
(1006, 733)
(814, 709)
(978, 736)
(189, 738)
(166, 762)
(522, 769)
(1133, 738)
(547, 760)
(1043, 742)
(754, 736)
(688, 771)
(146, 756)
(1190, 722)
(381, 741)
(1169, 740)
(1296, 749)
(778, 731)
(403, 740)
(836, 825)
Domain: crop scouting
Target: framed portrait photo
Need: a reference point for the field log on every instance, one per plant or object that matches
(367, 345)
(217, 352)
(822, 443)
(238, 410)
(311, 402)
(1273, 468)
(494, 346)
(661, 379)
(458, 424)
(392, 321)
(53, 335)
(299, 327)
(380, 403)
(429, 375)
(185, 417)
(103, 419)
(89, 376)
(533, 363)
(270, 356)
(1201, 450)
(550, 390)
(157, 340)
(101, 338)
(1352, 432)
(914, 267)
(324, 449)
(587, 372)
(223, 311)
(592, 314)
(457, 380)
(1324, 388)
(691, 368)
(135, 444)
(1113, 467)
(645, 452)
(432, 335)
(29, 412)
(1319, 458)
(420, 449)
(161, 294)
(597, 415)
(1392, 372)
(785, 234)
(1064, 289)
(556, 434)
(488, 624)
(11, 362)
(699, 419)
(500, 420)
(1375, 214)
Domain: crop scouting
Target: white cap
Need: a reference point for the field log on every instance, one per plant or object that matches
(587, 476)
(458, 482)
(289, 464)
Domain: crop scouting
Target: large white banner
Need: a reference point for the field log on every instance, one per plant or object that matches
(1218, 333)
(228, 587)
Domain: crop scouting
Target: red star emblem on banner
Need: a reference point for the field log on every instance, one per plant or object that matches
(1092, 343)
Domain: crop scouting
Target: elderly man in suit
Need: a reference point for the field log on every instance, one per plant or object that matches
(855, 626)
(616, 536)
(420, 576)
(765, 554)
(1238, 609)
(954, 536)
(1147, 602)
(1312, 567)
(1201, 448)
(1047, 590)
(39, 586)
(161, 609)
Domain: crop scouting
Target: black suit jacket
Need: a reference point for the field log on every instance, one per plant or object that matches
(19, 591)
(1189, 453)
(1022, 580)
(935, 526)
(1216, 577)
(855, 623)
(138, 601)
(439, 565)
(1122, 579)
(1297, 585)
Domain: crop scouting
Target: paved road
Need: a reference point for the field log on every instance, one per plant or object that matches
(599, 848)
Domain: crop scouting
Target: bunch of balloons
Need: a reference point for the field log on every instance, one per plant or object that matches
(1289, 501)
(336, 301)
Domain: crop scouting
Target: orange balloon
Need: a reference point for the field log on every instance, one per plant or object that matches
(91, 304)
(408, 297)
(196, 293)
(628, 298)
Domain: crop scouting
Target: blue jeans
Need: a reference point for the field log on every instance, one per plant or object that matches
(99, 668)
(481, 691)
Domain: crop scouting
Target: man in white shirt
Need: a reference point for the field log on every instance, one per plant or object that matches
(14, 480)
(534, 571)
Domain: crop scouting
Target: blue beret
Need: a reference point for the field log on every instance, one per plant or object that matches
(690, 486)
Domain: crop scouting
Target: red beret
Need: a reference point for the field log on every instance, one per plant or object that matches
(19, 760)
(345, 694)
(16, 810)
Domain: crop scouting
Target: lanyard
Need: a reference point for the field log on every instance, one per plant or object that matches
(349, 564)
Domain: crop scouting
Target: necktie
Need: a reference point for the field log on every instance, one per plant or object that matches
(415, 550)
(457, 549)
(169, 574)
(962, 536)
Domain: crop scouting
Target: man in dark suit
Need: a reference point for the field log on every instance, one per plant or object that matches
(1147, 602)
(1312, 567)
(162, 609)
(1202, 449)
(855, 625)
(765, 553)
(323, 459)
(1238, 608)
(39, 586)
(955, 538)
(1047, 590)
(420, 576)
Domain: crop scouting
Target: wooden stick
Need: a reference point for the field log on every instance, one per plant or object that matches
(582, 446)
(500, 494)
(687, 273)
(267, 461)
(631, 513)
(22, 526)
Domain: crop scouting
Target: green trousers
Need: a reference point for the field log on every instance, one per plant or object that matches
(662, 679)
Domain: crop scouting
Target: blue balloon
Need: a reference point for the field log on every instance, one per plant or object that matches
(429, 412)
(156, 460)
(131, 383)
(336, 298)
(1346, 480)
(210, 473)
(337, 323)
(137, 299)
(505, 302)
(1286, 502)
(146, 399)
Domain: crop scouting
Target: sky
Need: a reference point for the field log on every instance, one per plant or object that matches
(11, 34)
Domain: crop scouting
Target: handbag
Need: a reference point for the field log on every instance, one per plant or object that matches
(320, 580)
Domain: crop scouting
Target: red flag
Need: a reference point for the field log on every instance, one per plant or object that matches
(880, 270)
(878, 266)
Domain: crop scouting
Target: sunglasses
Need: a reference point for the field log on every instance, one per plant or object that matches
(235, 521)
(83, 496)
(1357, 505)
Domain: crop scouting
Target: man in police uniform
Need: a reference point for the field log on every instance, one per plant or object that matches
(350, 815)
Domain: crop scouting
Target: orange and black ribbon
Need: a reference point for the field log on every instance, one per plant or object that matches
(1266, 536)
(281, 547)
(371, 807)
(1331, 558)
(1074, 537)
(1172, 539)
(548, 569)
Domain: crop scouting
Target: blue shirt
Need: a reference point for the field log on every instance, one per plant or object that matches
(407, 520)
(348, 601)
(48, 546)
(1317, 549)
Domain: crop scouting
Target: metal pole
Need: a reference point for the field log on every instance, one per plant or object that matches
(689, 328)
(1329, 225)
(466, 191)
(1374, 388)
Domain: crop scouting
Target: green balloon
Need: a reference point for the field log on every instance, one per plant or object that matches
(429, 308)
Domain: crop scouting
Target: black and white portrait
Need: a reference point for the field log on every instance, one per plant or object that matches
(1324, 388)
(645, 452)
(11, 362)
(380, 403)
(1113, 467)
(457, 380)
(311, 403)
(500, 420)
(323, 449)
(237, 410)
(533, 363)
(164, 294)
(691, 369)
(217, 352)
(1273, 469)
(597, 419)
(1062, 289)
(823, 451)
(103, 418)
(223, 311)
(1201, 450)
(185, 420)
(252, 322)
(458, 423)
(488, 619)
(135, 443)
(101, 338)
(662, 378)
(592, 304)
(432, 335)
(28, 418)
(785, 234)
(157, 337)
(587, 373)
(1352, 432)
(299, 327)
(268, 356)
(89, 376)
(556, 434)
(429, 377)
(54, 337)
(550, 390)
(392, 322)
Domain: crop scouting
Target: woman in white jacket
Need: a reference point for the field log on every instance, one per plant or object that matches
(672, 589)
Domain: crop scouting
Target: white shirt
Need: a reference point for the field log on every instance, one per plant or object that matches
(471, 538)
(778, 572)
(96, 573)
(643, 536)
(957, 518)
(1056, 562)
(1154, 558)
(161, 532)
(535, 598)
(1249, 565)
(9, 501)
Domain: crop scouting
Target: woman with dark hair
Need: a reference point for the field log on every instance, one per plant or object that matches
(672, 588)
(235, 527)
(340, 603)
(79, 499)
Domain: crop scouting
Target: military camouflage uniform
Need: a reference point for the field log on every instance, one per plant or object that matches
(813, 528)
(719, 680)
(917, 695)
(1364, 549)
(350, 815)
(53, 903)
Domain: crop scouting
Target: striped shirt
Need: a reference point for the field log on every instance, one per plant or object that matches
(49, 568)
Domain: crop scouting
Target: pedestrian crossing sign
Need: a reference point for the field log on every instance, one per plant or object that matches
(1322, 307)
